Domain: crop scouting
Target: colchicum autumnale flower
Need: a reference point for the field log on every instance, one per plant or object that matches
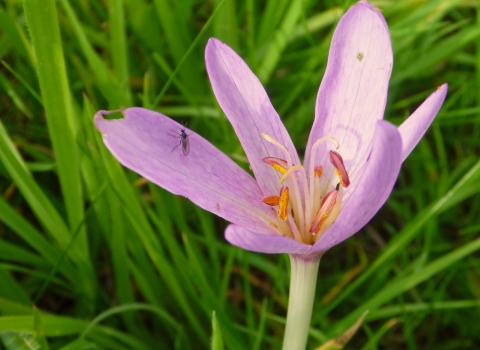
(352, 158)
(349, 142)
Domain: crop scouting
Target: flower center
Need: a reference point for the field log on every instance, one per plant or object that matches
(308, 207)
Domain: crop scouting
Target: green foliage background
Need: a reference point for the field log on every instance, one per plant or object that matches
(113, 262)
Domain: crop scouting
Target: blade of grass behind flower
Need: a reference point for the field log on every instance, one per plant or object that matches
(107, 83)
(199, 273)
(159, 312)
(158, 257)
(18, 318)
(14, 96)
(24, 82)
(186, 55)
(19, 341)
(316, 22)
(464, 188)
(16, 254)
(401, 285)
(225, 26)
(280, 40)
(34, 239)
(39, 203)
(45, 34)
(261, 326)
(217, 341)
(11, 289)
(176, 30)
(186, 93)
(16, 36)
(270, 20)
(58, 326)
(193, 267)
(119, 47)
(439, 52)
(396, 310)
(90, 165)
(251, 14)
(38, 326)
(208, 229)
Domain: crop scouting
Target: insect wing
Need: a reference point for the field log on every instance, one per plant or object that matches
(185, 146)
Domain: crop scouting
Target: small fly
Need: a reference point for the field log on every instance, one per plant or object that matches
(184, 141)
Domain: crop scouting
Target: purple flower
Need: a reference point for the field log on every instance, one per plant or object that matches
(352, 158)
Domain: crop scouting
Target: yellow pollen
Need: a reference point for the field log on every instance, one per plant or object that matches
(283, 203)
(318, 171)
(278, 168)
(322, 220)
(340, 177)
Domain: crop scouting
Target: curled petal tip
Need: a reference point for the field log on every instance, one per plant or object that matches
(99, 120)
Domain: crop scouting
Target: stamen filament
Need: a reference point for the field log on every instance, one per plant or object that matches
(297, 206)
(293, 169)
(303, 215)
(311, 167)
(294, 228)
(279, 145)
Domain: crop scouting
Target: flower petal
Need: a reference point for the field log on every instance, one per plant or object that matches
(372, 189)
(144, 141)
(270, 244)
(417, 124)
(247, 106)
(353, 92)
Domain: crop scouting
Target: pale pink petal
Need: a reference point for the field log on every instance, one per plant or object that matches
(417, 124)
(371, 190)
(353, 92)
(247, 106)
(143, 141)
(270, 244)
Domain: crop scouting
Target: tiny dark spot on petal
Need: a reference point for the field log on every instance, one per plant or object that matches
(218, 207)
(360, 56)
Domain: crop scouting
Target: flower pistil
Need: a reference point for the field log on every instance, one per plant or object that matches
(308, 211)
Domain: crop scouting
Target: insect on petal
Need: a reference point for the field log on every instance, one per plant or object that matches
(185, 145)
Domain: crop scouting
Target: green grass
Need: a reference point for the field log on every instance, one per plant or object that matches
(112, 262)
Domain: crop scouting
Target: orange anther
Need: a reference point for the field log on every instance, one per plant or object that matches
(337, 162)
(278, 164)
(318, 171)
(328, 202)
(271, 200)
(283, 203)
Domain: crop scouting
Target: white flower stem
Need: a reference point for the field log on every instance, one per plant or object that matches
(304, 270)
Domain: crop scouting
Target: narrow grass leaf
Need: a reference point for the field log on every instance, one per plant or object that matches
(119, 47)
(217, 341)
(403, 284)
(280, 40)
(186, 55)
(458, 193)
